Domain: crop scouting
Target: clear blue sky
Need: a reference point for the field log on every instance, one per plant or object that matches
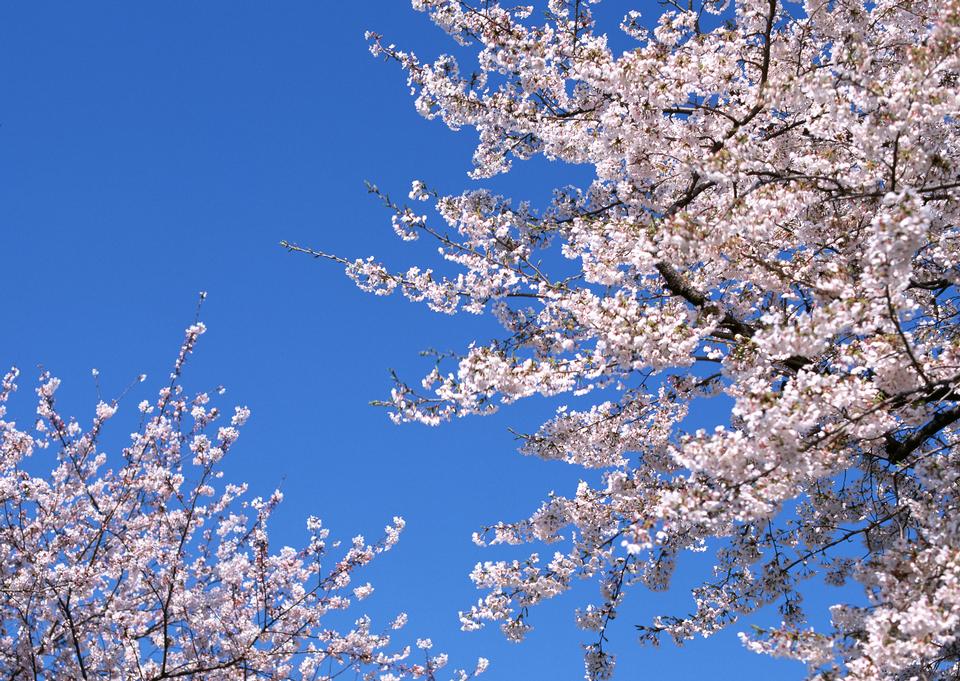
(152, 150)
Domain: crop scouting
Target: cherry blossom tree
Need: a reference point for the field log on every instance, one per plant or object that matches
(771, 240)
(144, 566)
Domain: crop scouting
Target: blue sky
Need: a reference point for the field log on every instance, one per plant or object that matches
(152, 150)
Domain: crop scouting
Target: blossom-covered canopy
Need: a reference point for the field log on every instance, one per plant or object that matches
(772, 235)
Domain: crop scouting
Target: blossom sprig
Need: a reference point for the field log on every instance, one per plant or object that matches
(774, 229)
(143, 565)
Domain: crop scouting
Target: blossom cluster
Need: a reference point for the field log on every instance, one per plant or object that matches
(142, 564)
(772, 236)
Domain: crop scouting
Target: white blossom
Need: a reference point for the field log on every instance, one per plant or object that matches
(772, 230)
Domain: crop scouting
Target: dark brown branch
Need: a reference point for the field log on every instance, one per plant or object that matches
(899, 450)
(65, 607)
